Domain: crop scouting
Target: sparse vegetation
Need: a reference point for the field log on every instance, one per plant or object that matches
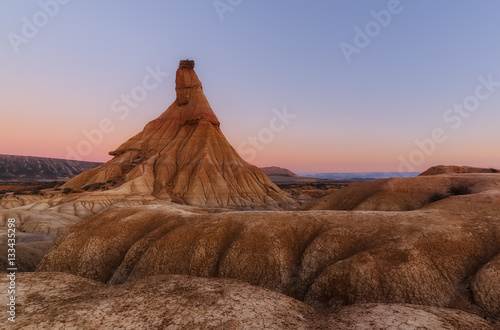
(31, 188)
(437, 197)
(322, 186)
(67, 190)
(94, 186)
(460, 189)
(52, 184)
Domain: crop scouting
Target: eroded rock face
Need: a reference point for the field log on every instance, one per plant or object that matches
(59, 300)
(30, 249)
(325, 258)
(35, 232)
(183, 156)
(403, 316)
(486, 287)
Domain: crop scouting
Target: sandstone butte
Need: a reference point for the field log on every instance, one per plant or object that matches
(182, 156)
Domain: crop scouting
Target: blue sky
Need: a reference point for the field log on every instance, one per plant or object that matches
(263, 56)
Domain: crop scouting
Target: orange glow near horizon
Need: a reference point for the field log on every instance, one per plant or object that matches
(341, 151)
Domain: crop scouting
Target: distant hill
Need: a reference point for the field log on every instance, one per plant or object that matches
(360, 175)
(442, 169)
(278, 171)
(28, 168)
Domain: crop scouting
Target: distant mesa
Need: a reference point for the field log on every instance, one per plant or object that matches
(278, 171)
(28, 168)
(443, 169)
(182, 156)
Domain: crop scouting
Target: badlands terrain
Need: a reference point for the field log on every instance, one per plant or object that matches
(177, 231)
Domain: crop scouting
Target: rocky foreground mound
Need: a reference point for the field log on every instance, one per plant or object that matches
(183, 156)
(443, 255)
(63, 301)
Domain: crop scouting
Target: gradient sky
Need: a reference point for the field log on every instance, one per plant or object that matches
(263, 57)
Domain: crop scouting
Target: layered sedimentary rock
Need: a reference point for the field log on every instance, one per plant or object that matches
(184, 157)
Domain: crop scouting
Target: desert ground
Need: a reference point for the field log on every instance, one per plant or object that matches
(177, 231)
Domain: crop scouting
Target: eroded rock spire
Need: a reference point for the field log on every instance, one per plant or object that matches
(183, 156)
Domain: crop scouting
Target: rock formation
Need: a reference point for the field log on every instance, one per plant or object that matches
(58, 300)
(184, 157)
(445, 254)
